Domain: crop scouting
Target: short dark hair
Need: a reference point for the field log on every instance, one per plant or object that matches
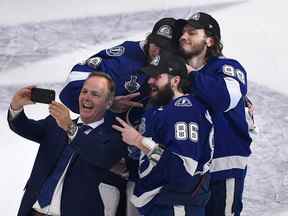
(111, 84)
(184, 84)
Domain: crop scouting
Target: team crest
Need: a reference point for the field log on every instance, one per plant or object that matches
(132, 85)
(195, 16)
(115, 51)
(183, 102)
(165, 31)
(94, 62)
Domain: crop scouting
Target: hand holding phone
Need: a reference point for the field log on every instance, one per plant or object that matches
(21, 98)
(41, 95)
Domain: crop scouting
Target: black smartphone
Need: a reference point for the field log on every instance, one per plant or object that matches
(41, 95)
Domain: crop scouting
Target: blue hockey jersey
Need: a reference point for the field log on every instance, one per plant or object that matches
(184, 128)
(222, 85)
(120, 62)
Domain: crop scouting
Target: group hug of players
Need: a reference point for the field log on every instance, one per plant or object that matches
(180, 107)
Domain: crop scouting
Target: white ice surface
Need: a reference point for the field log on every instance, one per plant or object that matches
(15, 12)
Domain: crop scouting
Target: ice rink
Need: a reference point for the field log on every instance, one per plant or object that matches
(40, 42)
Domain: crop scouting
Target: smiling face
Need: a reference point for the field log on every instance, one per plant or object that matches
(161, 90)
(193, 42)
(93, 100)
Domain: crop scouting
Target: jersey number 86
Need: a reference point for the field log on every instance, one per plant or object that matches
(184, 131)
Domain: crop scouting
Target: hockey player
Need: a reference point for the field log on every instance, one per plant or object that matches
(175, 150)
(122, 64)
(221, 83)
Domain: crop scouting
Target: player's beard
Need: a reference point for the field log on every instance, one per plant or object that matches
(163, 96)
(194, 50)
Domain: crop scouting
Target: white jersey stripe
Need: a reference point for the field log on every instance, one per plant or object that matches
(226, 163)
(144, 198)
(230, 190)
(75, 75)
(179, 210)
(189, 164)
(145, 172)
(233, 88)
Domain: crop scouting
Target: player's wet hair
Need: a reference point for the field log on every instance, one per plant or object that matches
(163, 35)
(216, 49)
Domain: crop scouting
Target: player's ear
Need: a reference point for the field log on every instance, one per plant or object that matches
(210, 41)
(175, 81)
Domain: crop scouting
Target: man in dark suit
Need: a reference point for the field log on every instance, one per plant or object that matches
(71, 174)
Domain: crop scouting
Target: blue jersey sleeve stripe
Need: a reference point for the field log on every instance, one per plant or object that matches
(82, 67)
(146, 170)
(234, 91)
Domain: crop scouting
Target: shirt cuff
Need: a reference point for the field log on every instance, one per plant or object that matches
(71, 137)
(14, 113)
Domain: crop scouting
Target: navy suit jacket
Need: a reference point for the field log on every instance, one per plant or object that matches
(95, 154)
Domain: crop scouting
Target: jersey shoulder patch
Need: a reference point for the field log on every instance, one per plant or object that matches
(231, 71)
(115, 51)
(228, 70)
(183, 102)
(94, 62)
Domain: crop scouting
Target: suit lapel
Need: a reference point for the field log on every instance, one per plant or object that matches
(99, 134)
